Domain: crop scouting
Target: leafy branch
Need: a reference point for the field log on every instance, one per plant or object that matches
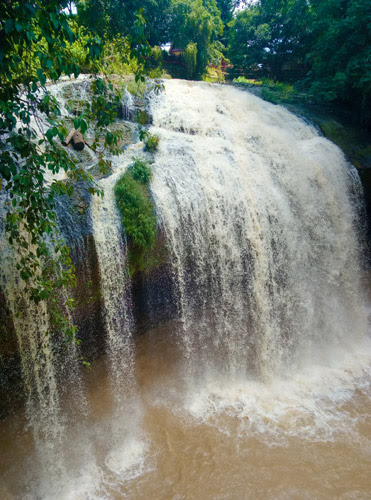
(31, 134)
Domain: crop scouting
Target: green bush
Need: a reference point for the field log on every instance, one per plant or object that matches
(141, 171)
(213, 75)
(151, 140)
(156, 73)
(136, 89)
(135, 205)
(270, 96)
(142, 117)
(247, 81)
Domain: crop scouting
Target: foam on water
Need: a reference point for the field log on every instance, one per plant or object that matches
(309, 404)
(128, 461)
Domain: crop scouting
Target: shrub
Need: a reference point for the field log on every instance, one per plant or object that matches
(214, 75)
(151, 140)
(135, 205)
(136, 89)
(141, 171)
(247, 81)
(269, 95)
(142, 117)
(156, 72)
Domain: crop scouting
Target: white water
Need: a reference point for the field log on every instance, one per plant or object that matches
(49, 375)
(260, 214)
(115, 285)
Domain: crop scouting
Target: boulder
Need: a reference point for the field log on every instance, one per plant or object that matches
(75, 139)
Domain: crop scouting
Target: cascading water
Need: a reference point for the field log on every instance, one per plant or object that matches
(111, 249)
(260, 389)
(260, 216)
(126, 448)
(44, 363)
(56, 396)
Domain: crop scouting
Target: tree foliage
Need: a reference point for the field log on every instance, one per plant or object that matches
(270, 35)
(31, 135)
(340, 55)
(322, 43)
(197, 22)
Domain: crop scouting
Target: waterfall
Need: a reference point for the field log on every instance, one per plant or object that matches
(56, 405)
(51, 373)
(267, 356)
(111, 249)
(260, 214)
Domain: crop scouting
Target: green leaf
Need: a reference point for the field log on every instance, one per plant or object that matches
(49, 134)
(109, 138)
(83, 126)
(41, 76)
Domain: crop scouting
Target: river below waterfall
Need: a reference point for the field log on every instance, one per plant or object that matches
(259, 387)
(304, 437)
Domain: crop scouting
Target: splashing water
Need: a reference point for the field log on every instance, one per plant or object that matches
(45, 362)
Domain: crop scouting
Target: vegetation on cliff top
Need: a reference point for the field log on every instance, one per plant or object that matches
(322, 46)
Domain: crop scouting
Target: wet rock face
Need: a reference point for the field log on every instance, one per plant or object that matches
(153, 299)
(11, 385)
(153, 287)
(75, 225)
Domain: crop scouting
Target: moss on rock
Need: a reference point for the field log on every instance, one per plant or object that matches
(146, 260)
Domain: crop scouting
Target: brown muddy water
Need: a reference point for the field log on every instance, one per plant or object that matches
(304, 436)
